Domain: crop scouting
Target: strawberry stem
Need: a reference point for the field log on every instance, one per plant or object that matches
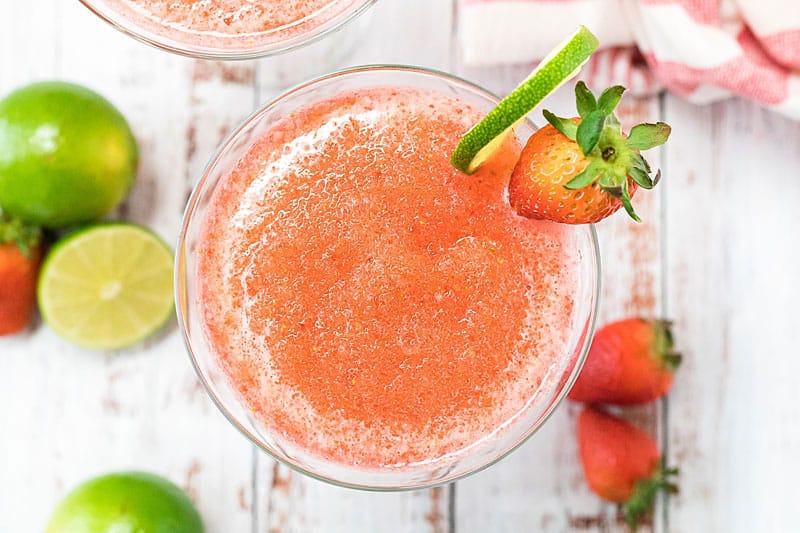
(26, 237)
(664, 345)
(644, 494)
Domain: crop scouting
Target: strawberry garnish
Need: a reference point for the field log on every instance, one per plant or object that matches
(583, 169)
(630, 362)
(20, 253)
(621, 463)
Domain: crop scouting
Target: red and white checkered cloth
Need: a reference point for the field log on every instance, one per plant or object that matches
(703, 49)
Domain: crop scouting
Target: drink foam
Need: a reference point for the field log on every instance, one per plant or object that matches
(372, 305)
(229, 24)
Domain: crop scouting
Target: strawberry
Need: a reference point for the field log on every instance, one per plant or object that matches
(20, 253)
(581, 170)
(630, 362)
(621, 463)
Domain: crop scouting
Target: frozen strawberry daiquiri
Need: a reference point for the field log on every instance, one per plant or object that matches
(227, 28)
(380, 318)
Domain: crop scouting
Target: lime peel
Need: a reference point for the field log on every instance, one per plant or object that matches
(561, 65)
(123, 502)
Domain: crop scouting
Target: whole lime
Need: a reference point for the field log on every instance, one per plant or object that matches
(67, 155)
(126, 501)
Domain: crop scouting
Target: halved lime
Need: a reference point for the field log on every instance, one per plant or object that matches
(560, 65)
(107, 286)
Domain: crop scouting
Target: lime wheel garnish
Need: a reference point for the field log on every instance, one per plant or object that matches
(560, 65)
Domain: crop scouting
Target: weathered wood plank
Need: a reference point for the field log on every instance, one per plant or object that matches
(28, 48)
(291, 502)
(540, 487)
(25, 441)
(87, 413)
(733, 258)
(411, 32)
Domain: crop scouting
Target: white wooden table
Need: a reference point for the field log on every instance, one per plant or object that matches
(718, 254)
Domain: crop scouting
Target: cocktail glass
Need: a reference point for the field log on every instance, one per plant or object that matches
(223, 392)
(216, 45)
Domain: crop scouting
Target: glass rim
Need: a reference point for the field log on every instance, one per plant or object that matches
(174, 46)
(180, 274)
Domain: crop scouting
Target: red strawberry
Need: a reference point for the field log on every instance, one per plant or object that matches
(581, 170)
(621, 463)
(630, 362)
(20, 253)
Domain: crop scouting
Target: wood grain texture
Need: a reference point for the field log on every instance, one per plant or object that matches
(733, 258)
(26, 413)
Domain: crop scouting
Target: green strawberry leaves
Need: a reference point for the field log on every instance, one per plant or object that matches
(589, 130)
(626, 202)
(584, 99)
(610, 98)
(614, 160)
(644, 494)
(664, 345)
(564, 125)
(587, 176)
(607, 103)
(640, 162)
(24, 236)
(646, 136)
(594, 113)
(641, 178)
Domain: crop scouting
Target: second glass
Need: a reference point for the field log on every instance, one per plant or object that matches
(228, 29)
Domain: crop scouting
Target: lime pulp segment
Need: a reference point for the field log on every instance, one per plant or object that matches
(107, 287)
(561, 65)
